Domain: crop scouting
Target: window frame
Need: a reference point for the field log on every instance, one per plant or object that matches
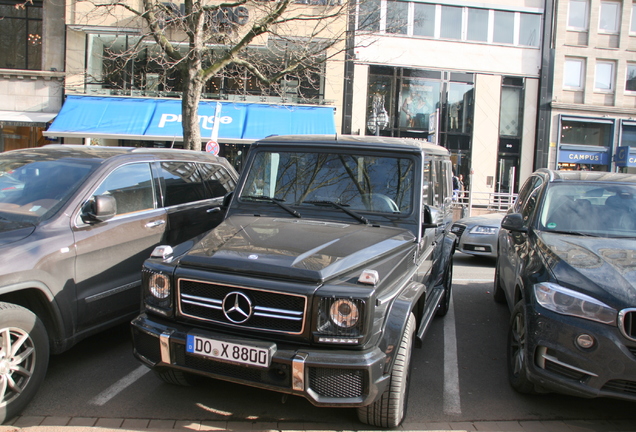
(617, 18)
(632, 24)
(630, 65)
(586, 16)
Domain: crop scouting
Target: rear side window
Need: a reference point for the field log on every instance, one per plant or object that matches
(217, 179)
(183, 183)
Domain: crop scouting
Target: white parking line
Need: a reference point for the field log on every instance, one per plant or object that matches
(120, 385)
(452, 403)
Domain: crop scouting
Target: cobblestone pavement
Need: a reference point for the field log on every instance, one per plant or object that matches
(89, 424)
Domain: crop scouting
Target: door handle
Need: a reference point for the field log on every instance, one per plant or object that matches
(213, 210)
(155, 223)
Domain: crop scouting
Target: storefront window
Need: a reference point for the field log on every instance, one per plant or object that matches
(21, 34)
(418, 99)
(629, 136)
(379, 113)
(586, 133)
(460, 104)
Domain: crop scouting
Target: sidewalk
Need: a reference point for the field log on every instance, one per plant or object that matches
(84, 424)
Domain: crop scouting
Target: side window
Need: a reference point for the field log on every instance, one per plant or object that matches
(531, 184)
(436, 183)
(183, 183)
(447, 175)
(131, 186)
(217, 180)
(530, 205)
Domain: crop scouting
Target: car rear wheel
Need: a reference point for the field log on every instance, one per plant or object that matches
(176, 377)
(390, 409)
(517, 359)
(24, 358)
(498, 293)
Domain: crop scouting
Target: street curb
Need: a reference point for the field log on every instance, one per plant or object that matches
(91, 424)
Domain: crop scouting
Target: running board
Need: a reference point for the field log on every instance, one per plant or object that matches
(429, 312)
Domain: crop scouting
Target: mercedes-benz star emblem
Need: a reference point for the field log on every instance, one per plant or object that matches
(237, 307)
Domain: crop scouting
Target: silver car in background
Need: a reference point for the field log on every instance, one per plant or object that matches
(477, 235)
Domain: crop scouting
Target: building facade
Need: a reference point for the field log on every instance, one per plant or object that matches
(31, 70)
(462, 73)
(593, 107)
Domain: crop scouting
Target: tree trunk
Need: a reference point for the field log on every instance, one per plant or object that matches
(190, 109)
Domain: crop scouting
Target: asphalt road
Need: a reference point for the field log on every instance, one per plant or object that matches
(458, 375)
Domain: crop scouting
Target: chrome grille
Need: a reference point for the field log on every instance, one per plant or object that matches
(620, 386)
(271, 311)
(627, 321)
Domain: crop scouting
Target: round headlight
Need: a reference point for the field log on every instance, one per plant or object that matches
(159, 286)
(344, 313)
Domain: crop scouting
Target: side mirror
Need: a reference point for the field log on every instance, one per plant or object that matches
(433, 217)
(99, 209)
(513, 222)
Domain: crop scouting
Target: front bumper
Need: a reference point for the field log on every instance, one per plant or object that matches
(478, 244)
(342, 378)
(557, 363)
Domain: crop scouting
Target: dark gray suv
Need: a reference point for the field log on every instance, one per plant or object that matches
(76, 223)
(334, 257)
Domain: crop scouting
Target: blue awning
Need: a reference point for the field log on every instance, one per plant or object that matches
(160, 119)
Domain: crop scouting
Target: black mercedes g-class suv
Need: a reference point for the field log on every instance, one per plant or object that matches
(334, 256)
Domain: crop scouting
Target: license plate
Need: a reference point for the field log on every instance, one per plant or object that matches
(229, 351)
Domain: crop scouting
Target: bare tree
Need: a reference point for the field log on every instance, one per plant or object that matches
(261, 43)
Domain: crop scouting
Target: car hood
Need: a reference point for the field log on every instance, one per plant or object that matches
(11, 232)
(610, 264)
(299, 249)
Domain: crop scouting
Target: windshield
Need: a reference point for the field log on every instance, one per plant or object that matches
(32, 190)
(590, 208)
(358, 182)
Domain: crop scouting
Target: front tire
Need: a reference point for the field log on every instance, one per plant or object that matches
(390, 409)
(24, 358)
(517, 358)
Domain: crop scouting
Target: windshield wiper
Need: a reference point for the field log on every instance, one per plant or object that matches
(353, 214)
(277, 201)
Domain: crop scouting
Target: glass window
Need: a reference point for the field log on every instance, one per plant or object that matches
(451, 22)
(577, 14)
(573, 73)
(21, 35)
(217, 180)
(131, 186)
(460, 107)
(397, 13)
(609, 17)
(628, 138)
(630, 83)
(529, 29)
(477, 25)
(362, 182)
(424, 20)
(418, 100)
(504, 27)
(511, 109)
(183, 183)
(369, 16)
(378, 114)
(632, 28)
(604, 79)
(586, 133)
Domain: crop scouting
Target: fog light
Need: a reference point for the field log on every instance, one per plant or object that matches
(585, 341)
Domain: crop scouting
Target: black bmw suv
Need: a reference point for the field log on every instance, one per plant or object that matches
(566, 267)
(76, 223)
